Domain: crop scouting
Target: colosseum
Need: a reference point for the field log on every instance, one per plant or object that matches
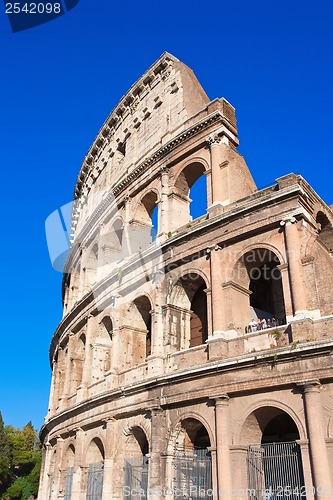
(194, 356)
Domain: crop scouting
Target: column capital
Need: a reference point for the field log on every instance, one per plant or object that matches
(221, 400)
(309, 385)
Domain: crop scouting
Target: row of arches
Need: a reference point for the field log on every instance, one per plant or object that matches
(185, 320)
(191, 464)
(130, 231)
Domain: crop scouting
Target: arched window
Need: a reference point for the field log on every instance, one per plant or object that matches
(102, 349)
(140, 315)
(190, 194)
(188, 308)
(192, 461)
(143, 228)
(325, 231)
(258, 271)
(95, 463)
(77, 362)
(69, 468)
(136, 462)
(275, 462)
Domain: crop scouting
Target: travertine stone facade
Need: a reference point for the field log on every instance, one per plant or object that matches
(160, 387)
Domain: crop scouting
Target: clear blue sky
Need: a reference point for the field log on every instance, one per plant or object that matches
(271, 59)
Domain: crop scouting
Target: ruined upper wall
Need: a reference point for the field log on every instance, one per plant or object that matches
(152, 112)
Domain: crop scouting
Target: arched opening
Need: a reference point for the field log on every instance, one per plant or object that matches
(90, 267)
(191, 193)
(102, 348)
(192, 461)
(325, 231)
(258, 271)
(136, 463)
(77, 362)
(69, 469)
(141, 329)
(95, 462)
(143, 228)
(188, 309)
(274, 464)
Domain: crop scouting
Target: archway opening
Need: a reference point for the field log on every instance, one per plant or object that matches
(190, 296)
(193, 460)
(325, 231)
(136, 462)
(69, 469)
(274, 465)
(258, 270)
(141, 324)
(144, 226)
(191, 189)
(95, 462)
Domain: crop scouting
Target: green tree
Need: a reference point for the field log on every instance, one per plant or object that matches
(22, 457)
(5, 457)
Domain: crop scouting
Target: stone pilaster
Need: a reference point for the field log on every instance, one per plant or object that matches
(321, 473)
(293, 247)
(79, 469)
(222, 436)
(57, 469)
(109, 472)
(88, 357)
(156, 475)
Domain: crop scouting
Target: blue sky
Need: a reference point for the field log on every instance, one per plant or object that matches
(271, 59)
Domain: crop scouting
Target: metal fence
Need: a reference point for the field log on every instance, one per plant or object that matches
(95, 482)
(68, 483)
(136, 478)
(275, 472)
(193, 475)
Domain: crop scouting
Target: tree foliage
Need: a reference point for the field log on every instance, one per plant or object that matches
(20, 462)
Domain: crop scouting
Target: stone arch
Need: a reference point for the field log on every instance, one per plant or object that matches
(77, 361)
(95, 451)
(69, 456)
(91, 265)
(140, 333)
(191, 456)
(68, 468)
(257, 286)
(250, 430)
(185, 180)
(143, 228)
(102, 348)
(325, 230)
(136, 443)
(188, 310)
(175, 429)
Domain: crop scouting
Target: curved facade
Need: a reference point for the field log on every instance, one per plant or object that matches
(192, 352)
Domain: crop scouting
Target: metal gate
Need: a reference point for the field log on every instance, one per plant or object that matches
(68, 483)
(95, 482)
(193, 475)
(275, 472)
(136, 478)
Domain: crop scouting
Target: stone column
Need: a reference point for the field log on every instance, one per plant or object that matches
(79, 469)
(215, 156)
(156, 477)
(321, 473)
(222, 434)
(286, 290)
(109, 474)
(67, 374)
(214, 473)
(88, 358)
(293, 247)
(218, 312)
(46, 473)
(163, 207)
(57, 469)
